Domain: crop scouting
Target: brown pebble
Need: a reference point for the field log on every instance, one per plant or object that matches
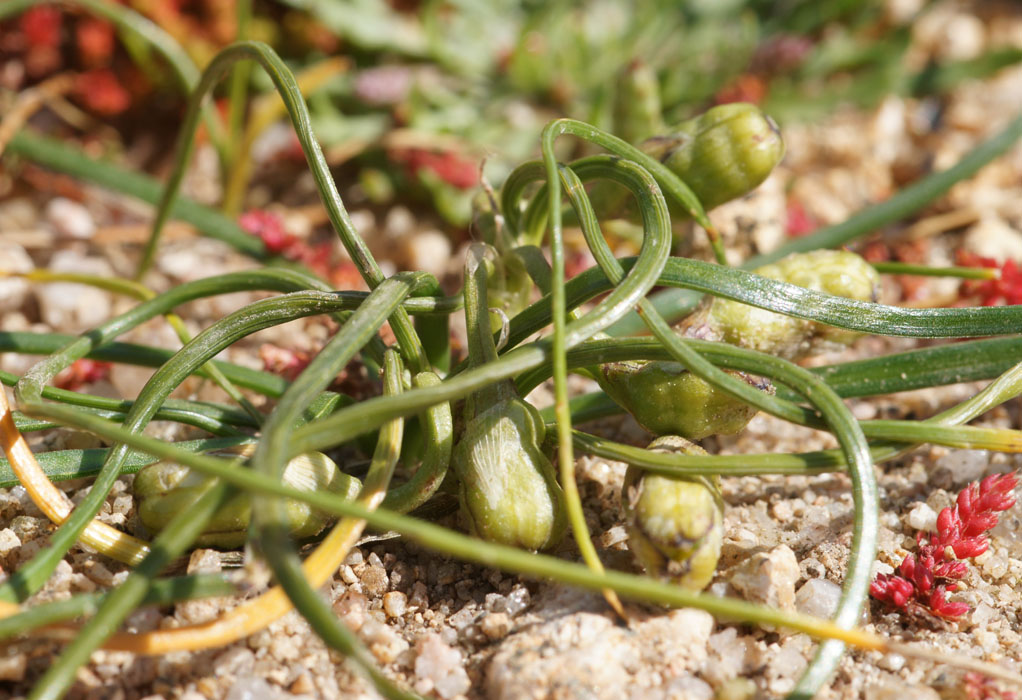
(495, 625)
(374, 579)
(303, 685)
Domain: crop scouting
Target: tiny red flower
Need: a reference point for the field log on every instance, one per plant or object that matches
(799, 222)
(942, 608)
(1006, 289)
(449, 166)
(979, 687)
(41, 26)
(81, 372)
(95, 38)
(270, 229)
(101, 92)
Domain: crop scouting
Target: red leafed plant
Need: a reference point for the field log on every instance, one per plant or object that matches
(979, 687)
(81, 372)
(925, 578)
(1006, 289)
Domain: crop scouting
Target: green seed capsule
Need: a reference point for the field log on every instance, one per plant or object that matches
(666, 399)
(164, 489)
(836, 272)
(508, 490)
(675, 525)
(722, 154)
(507, 487)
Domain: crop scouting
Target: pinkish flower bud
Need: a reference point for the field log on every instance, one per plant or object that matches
(954, 569)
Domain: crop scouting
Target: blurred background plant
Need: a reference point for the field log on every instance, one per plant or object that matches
(427, 90)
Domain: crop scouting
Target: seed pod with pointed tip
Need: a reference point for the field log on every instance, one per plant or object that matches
(675, 524)
(164, 489)
(724, 153)
(721, 155)
(837, 272)
(666, 399)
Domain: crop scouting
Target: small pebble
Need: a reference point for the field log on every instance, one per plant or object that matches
(689, 687)
(891, 662)
(965, 465)
(818, 597)
(495, 625)
(70, 219)
(12, 667)
(893, 689)
(769, 577)
(252, 688)
(395, 604)
(383, 641)
(922, 518)
(13, 290)
(441, 666)
(429, 251)
(302, 685)
(204, 561)
(9, 541)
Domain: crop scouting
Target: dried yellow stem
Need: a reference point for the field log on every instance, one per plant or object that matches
(53, 502)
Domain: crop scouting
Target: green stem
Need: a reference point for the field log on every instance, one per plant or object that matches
(269, 515)
(462, 546)
(287, 87)
(840, 421)
(63, 465)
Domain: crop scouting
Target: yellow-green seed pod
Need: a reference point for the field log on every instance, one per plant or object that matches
(722, 154)
(507, 486)
(675, 524)
(164, 489)
(838, 272)
(666, 399)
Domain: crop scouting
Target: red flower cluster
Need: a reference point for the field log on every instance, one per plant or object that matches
(270, 229)
(1006, 290)
(799, 222)
(319, 258)
(926, 578)
(283, 362)
(449, 166)
(979, 687)
(102, 92)
(41, 26)
(81, 372)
